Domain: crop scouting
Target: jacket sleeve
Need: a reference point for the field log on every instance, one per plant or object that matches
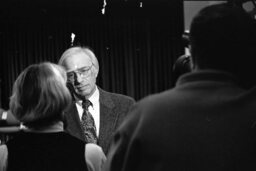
(124, 146)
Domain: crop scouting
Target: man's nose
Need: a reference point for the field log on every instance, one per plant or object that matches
(78, 78)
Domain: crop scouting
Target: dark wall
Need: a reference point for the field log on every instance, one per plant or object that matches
(136, 46)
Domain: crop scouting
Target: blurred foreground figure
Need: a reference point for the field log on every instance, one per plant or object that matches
(207, 122)
(38, 100)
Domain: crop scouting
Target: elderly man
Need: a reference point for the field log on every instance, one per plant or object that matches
(95, 113)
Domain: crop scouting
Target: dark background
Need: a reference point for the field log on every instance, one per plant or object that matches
(136, 46)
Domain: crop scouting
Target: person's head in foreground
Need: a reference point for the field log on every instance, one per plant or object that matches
(40, 95)
(207, 121)
(222, 37)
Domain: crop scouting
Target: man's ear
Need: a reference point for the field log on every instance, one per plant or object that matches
(95, 71)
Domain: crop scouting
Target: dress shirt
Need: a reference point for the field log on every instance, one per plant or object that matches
(94, 109)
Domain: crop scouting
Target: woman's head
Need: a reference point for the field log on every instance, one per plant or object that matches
(40, 95)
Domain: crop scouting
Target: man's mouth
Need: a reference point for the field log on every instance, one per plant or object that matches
(81, 87)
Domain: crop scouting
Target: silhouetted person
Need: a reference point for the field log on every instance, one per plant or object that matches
(207, 122)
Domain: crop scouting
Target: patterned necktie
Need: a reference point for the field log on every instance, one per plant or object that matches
(88, 123)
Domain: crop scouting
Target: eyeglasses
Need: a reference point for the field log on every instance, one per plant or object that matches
(83, 72)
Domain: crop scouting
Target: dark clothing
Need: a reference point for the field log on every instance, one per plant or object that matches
(46, 152)
(113, 109)
(207, 122)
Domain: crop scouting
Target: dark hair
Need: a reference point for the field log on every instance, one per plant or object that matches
(219, 34)
(222, 37)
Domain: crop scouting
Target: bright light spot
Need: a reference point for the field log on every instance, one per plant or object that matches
(104, 6)
(72, 38)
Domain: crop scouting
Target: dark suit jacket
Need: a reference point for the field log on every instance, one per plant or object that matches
(113, 109)
(207, 122)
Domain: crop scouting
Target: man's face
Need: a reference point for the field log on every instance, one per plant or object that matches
(81, 74)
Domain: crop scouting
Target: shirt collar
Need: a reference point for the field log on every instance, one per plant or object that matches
(95, 96)
(207, 75)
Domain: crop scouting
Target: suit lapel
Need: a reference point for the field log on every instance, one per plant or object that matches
(108, 119)
(73, 123)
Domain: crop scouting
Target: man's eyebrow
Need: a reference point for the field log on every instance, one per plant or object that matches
(70, 72)
(86, 67)
(79, 69)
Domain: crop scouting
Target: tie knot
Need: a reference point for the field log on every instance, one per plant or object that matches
(86, 103)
